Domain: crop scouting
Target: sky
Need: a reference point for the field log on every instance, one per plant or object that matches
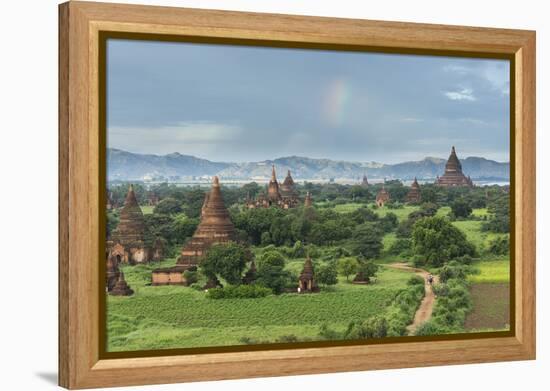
(240, 103)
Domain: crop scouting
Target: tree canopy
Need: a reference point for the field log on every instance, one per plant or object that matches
(436, 241)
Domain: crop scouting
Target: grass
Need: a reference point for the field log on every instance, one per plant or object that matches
(401, 213)
(491, 307)
(175, 316)
(147, 209)
(497, 271)
(472, 230)
(349, 207)
(481, 212)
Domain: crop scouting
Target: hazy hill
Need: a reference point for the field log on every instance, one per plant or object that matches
(126, 165)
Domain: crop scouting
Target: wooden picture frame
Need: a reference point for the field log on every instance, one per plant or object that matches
(81, 364)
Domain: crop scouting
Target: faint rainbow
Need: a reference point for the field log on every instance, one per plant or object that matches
(336, 98)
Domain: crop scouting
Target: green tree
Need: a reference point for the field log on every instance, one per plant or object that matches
(461, 208)
(227, 261)
(271, 271)
(368, 269)
(366, 240)
(183, 227)
(327, 274)
(347, 267)
(193, 200)
(436, 241)
(168, 206)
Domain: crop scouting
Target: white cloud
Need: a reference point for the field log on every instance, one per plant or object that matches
(190, 137)
(462, 94)
(496, 73)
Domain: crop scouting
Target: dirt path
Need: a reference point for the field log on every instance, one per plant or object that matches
(424, 312)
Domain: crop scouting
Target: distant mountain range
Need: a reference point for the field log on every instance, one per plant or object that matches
(122, 165)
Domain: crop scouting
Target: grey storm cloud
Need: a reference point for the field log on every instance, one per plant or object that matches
(238, 103)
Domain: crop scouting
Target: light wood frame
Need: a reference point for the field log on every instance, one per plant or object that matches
(80, 24)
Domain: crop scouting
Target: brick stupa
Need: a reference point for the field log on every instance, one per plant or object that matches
(215, 227)
(413, 196)
(306, 281)
(121, 288)
(284, 195)
(273, 193)
(382, 197)
(130, 241)
(453, 175)
(365, 181)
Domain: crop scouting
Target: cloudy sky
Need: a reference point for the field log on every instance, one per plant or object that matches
(230, 103)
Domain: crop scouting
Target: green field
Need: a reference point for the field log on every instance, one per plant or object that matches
(472, 229)
(175, 317)
(491, 272)
(401, 213)
(147, 209)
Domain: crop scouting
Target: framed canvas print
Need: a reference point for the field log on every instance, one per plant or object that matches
(247, 195)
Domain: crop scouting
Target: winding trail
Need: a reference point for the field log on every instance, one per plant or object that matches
(424, 312)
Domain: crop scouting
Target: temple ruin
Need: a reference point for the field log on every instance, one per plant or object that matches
(453, 175)
(130, 242)
(365, 181)
(215, 227)
(250, 275)
(121, 288)
(283, 195)
(413, 196)
(382, 197)
(112, 273)
(306, 281)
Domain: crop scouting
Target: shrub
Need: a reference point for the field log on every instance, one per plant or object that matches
(499, 246)
(461, 208)
(400, 247)
(326, 274)
(227, 261)
(239, 292)
(271, 271)
(168, 206)
(347, 267)
(431, 328)
(196, 286)
(374, 327)
(437, 241)
(415, 280)
(191, 277)
(454, 270)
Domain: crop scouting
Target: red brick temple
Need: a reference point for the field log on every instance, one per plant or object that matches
(382, 197)
(365, 181)
(453, 175)
(413, 196)
(283, 195)
(215, 227)
(131, 242)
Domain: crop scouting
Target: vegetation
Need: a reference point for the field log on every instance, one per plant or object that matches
(149, 319)
(453, 301)
(271, 271)
(327, 274)
(436, 241)
(459, 233)
(239, 292)
(225, 261)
